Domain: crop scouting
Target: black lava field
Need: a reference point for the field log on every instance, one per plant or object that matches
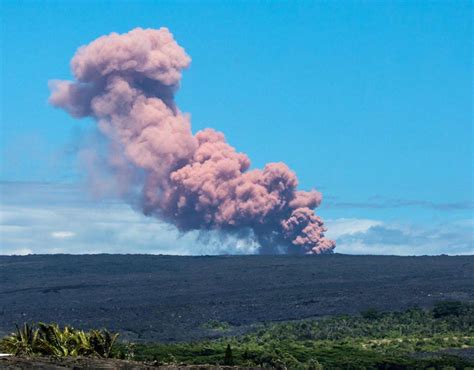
(165, 298)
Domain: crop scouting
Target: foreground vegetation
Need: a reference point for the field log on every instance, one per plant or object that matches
(411, 339)
(371, 340)
(51, 340)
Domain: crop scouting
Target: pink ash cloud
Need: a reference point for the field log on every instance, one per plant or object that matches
(127, 83)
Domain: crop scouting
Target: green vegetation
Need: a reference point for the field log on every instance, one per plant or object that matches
(373, 340)
(220, 326)
(51, 340)
(413, 339)
(450, 308)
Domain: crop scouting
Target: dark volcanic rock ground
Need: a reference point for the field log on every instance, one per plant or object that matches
(169, 298)
(52, 363)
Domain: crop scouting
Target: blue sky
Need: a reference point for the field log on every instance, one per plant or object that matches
(370, 102)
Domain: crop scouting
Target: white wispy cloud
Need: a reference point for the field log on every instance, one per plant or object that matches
(62, 234)
(348, 226)
(376, 237)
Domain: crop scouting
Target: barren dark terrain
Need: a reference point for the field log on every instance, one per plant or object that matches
(51, 363)
(168, 298)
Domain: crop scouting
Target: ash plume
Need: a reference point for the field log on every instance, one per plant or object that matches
(127, 83)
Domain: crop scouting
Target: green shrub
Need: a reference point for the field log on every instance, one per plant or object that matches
(371, 314)
(448, 308)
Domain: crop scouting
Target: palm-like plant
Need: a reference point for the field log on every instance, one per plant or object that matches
(56, 342)
(51, 340)
(22, 342)
(102, 342)
(83, 343)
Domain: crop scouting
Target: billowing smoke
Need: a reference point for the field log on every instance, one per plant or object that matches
(127, 84)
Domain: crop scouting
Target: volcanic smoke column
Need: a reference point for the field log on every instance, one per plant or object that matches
(127, 84)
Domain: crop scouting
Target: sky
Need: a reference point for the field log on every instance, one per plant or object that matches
(369, 102)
